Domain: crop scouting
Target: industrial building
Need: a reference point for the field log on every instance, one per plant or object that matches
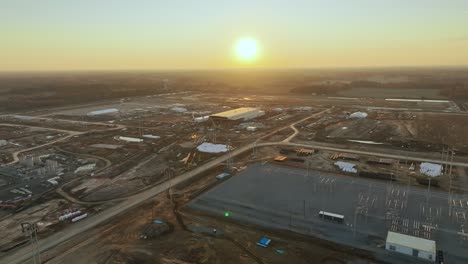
(243, 113)
(410, 245)
(103, 112)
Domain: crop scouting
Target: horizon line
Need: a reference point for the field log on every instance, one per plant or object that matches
(435, 66)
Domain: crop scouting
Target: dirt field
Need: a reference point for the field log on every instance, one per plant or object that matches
(413, 130)
(45, 214)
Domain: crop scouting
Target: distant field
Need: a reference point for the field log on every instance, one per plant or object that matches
(392, 93)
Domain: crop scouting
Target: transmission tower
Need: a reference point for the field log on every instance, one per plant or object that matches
(30, 231)
(229, 160)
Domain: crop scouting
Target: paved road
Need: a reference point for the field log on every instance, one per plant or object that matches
(71, 133)
(16, 153)
(375, 153)
(80, 122)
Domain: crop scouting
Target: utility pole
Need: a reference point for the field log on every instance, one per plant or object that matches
(30, 230)
(170, 175)
(304, 207)
(213, 139)
(254, 149)
(229, 160)
(139, 125)
(428, 192)
(355, 222)
(450, 183)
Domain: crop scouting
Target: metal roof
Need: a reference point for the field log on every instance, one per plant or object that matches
(222, 175)
(411, 242)
(236, 113)
(331, 214)
(103, 111)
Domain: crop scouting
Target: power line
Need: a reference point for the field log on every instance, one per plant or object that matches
(30, 230)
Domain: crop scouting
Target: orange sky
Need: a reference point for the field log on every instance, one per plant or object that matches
(145, 34)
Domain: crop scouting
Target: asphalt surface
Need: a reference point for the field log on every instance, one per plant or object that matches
(290, 199)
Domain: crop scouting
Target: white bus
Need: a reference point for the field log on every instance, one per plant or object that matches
(332, 217)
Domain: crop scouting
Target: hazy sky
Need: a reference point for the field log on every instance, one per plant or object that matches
(200, 34)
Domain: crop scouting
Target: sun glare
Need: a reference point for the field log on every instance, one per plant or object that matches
(246, 49)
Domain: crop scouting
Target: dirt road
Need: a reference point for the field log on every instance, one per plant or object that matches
(293, 125)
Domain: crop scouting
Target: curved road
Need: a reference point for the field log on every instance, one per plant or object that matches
(71, 133)
(15, 154)
(70, 198)
(293, 125)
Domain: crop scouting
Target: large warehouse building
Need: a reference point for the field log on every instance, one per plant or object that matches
(410, 245)
(243, 113)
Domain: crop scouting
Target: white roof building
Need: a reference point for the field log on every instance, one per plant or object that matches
(410, 245)
(201, 119)
(346, 166)
(431, 169)
(358, 115)
(243, 113)
(212, 148)
(130, 139)
(179, 109)
(103, 112)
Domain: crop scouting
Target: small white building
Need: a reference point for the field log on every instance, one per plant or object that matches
(201, 119)
(431, 169)
(412, 246)
(103, 112)
(178, 109)
(359, 115)
(130, 139)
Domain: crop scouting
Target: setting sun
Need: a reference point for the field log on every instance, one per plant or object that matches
(247, 49)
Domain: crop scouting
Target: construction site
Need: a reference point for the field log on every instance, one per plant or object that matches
(192, 177)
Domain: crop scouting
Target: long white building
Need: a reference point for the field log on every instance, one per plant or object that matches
(243, 113)
(103, 112)
(410, 245)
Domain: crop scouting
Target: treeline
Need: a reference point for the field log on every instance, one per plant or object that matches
(449, 89)
(456, 92)
(34, 91)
